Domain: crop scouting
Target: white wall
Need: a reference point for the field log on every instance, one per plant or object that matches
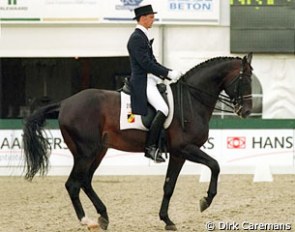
(63, 40)
(177, 46)
(276, 73)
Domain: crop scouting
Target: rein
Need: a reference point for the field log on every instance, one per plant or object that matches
(221, 98)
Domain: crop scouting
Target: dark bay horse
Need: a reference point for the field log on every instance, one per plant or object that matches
(89, 123)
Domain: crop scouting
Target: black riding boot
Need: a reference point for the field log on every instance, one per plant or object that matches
(151, 149)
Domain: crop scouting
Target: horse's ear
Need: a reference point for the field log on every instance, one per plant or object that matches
(248, 58)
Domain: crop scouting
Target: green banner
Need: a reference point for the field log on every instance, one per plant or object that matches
(12, 2)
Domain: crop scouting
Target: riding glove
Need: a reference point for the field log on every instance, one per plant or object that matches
(174, 75)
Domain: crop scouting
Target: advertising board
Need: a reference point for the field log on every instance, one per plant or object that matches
(234, 147)
(108, 11)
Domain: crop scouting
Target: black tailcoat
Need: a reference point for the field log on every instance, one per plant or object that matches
(142, 61)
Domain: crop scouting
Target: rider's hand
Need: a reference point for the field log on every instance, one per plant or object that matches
(174, 75)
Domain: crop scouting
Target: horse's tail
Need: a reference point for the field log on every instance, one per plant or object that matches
(35, 144)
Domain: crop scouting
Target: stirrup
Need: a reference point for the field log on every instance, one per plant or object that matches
(154, 153)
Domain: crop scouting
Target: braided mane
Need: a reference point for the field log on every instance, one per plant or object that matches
(207, 63)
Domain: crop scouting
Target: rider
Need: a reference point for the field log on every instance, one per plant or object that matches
(146, 73)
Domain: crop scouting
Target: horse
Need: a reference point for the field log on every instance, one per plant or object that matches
(89, 124)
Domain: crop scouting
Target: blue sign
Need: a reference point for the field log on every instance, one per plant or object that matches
(190, 5)
(128, 4)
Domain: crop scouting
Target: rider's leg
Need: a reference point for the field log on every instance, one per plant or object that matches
(154, 96)
(157, 101)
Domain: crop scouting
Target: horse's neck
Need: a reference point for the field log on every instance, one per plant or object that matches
(192, 103)
(210, 78)
(206, 81)
(205, 89)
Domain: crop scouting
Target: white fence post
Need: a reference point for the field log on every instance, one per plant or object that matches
(262, 173)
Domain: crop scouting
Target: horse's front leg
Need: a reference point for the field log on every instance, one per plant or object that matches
(195, 154)
(174, 168)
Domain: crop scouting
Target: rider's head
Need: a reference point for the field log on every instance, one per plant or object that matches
(145, 15)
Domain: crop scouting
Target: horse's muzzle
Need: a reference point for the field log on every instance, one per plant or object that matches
(246, 109)
(242, 112)
(246, 113)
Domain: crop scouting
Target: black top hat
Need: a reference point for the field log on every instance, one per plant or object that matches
(143, 10)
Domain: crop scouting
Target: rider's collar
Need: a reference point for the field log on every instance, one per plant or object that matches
(144, 30)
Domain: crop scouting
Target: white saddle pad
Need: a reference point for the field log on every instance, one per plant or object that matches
(134, 121)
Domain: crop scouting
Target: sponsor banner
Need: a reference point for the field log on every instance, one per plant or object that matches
(75, 10)
(239, 147)
(200, 11)
(50, 10)
(10, 148)
(108, 11)
(15, 9)
(254, 147)
(169, 11)
(11, 153)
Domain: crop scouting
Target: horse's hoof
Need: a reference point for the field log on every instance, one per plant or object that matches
(170, 227)
(103, 223)
(203, 204)
(93, 229)
(91, 225)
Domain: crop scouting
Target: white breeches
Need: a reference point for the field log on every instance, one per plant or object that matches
(153, 95)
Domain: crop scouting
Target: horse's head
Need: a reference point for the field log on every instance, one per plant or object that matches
(238, 87)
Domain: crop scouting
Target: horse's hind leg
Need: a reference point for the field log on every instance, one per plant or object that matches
(88, 152)
(81, 177)
(89, 191)
(73, 186)
(174, 168)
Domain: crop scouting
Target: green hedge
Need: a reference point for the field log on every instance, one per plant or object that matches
(253, 124)
(214, 124)
(18, 124)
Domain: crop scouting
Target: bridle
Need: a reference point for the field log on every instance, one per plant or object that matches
(237, 102)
